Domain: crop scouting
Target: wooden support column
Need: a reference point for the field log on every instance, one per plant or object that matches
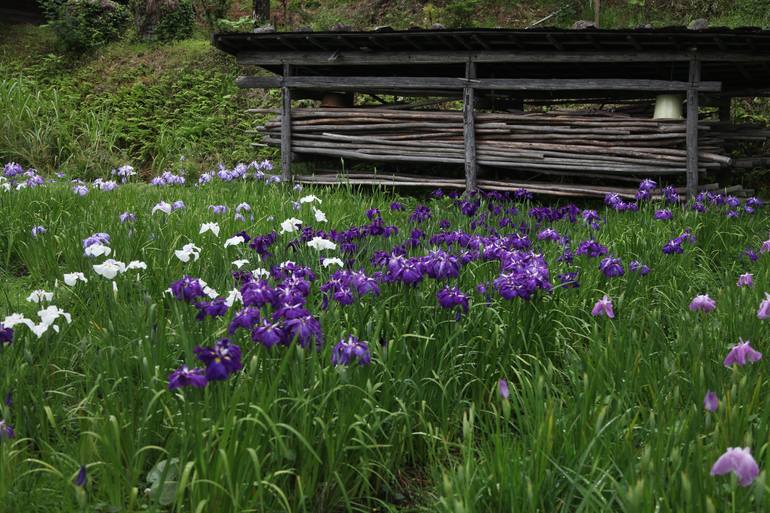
(286, 125)
(692, 126)
(469, 130)
(724, 109)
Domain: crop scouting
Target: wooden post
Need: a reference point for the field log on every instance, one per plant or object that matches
(692, 127)
(286, 126)
(724, 109)
(469, 130)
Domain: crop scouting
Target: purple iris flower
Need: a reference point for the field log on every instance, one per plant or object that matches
(221, 360)
(741, 354)
(407, 270)
(218, 209)
(663, 215)
(127, 217)
(373, 213)
(6, 335)
(350, 350)
(269, 334)
(670, 194)
(637, 267)
(246, 318)
(185, 377)
(672, 247)
(449, 297)
(502, 387)
(702, 303)
(591, 248)
(711, 402)
(421, 213)
(81, 478)
(548, 234)
(611, 267)
(12, 169)
(306, 330)
(738, 461)
(440, 265)
(6, 430)
(568, 280)
(214, 308)
(396, 206)
(261, 243)
(187, 289)
(177, 205)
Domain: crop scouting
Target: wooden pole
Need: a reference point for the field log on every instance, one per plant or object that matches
(286, 126)
(469, 130)
(724, 109)
(692, 126)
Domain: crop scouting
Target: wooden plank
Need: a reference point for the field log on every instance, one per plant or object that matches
(286, 127)
(447, 83)
(692, 126)
(347, 58)
(469, 130)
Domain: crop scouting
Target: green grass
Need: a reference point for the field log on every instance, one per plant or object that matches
(604, 415)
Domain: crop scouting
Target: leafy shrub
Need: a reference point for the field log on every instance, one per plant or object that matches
(175, 21)
(212, 10)
(85, 24)
(460, 13)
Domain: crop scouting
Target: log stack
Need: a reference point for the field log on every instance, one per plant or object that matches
(594, 144)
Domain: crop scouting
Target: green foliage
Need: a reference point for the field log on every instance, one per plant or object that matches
(176, 23)
(212, 11)
(242, 24)
(82, 25)
(460, 13)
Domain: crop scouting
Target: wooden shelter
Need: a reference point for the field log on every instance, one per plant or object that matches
(494, 72)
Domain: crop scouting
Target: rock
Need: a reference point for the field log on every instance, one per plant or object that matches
(698, 24)
(437, 26)
(383, 28)
(341, 27)
(583, 24)
(645, 26)
(304, 29)
(264, 29)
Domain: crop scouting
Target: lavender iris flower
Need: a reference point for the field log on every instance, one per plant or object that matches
(502, 387)
(603, 307)
(711, 402)
(218, 209)
(127, 217)
(702, 303)
(350, 350)
(764, 308)
(738, 461)
(38, 230)
(80, 190)
(746, 280)
(741, 354)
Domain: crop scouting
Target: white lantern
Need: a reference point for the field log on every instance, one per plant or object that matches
(668, 106)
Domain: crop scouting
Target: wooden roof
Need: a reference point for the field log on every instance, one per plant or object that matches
(738, 58)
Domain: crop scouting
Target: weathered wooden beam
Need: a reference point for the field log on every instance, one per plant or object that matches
(469, 130)
(692, 126)
(286, 126)
(449, 83)
(347, 58)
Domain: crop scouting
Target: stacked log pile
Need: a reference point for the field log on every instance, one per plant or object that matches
(591, 144)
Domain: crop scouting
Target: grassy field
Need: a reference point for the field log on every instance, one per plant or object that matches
(601, 414)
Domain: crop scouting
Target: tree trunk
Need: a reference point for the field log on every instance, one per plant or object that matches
(261, 11)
